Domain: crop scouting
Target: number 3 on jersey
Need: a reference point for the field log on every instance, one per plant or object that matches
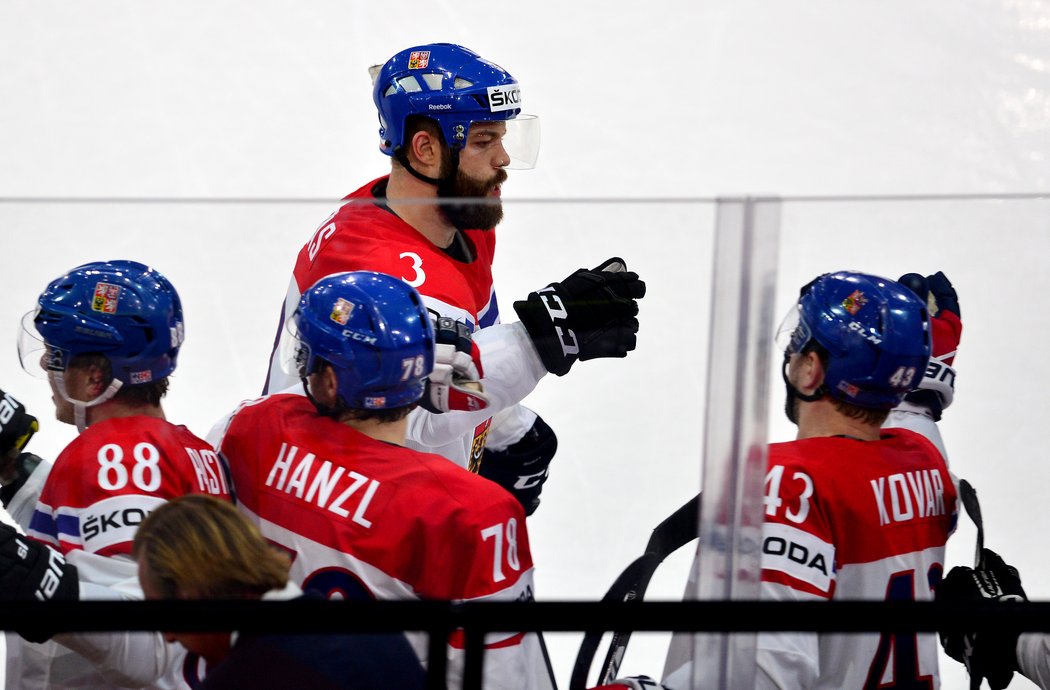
(416, 276)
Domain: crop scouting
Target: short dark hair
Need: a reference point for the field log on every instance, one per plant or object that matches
(342, 412)
(135, 394)
(868, 415)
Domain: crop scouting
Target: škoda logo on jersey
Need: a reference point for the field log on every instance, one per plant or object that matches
(106, 298)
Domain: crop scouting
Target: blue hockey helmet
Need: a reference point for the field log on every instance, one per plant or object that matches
(453, 86)
(124, 310)
(375, 332)
(876, 333)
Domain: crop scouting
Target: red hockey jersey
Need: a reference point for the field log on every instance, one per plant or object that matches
(364, 518)
(363, 235)
(105, 482)
(856, 520)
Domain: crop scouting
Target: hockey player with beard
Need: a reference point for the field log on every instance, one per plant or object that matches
(326, 476)
(451, 122)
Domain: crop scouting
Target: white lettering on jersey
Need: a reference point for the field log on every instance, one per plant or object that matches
(210, 477)
(798, 553)
(317, 486)
(908, 495)
(326, 230)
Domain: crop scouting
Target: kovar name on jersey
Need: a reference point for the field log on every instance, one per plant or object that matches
(909, 495)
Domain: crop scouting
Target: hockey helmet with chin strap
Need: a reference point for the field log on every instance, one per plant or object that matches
(875, 331)
(374, 331)
(454, 87)
(124, 310)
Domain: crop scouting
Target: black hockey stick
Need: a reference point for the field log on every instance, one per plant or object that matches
(968, 495)
(680, 528)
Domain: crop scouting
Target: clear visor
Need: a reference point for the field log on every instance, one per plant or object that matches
(793, 333)
(293, 353)
(33, 353)
(522, 142)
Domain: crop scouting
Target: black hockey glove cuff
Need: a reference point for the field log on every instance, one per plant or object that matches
(24, 465)
(16, 425)
(590, 314)
(31, 571)
(986, 654)
(522, 468)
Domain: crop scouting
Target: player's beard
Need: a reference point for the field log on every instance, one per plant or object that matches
(472, 216)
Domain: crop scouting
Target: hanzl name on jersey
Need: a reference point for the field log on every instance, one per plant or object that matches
(323, 484)
(909, 495)
(798, 553)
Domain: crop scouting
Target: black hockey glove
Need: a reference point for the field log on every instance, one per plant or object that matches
(991, 655)
(16, 428)
(937, 388)
(590, 314)
(455, 382)
(24, 465)
(521, 469)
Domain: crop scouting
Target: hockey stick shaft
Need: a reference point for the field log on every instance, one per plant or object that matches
(968, 496)
(675, 531)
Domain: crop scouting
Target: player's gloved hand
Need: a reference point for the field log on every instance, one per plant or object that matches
(590, 314)
(990, 655)
(455, 383)
(31, 571)
(24, 465)
(16, 428)
(522, 468)
(937, 388)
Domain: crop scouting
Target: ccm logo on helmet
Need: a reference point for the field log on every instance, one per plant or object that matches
(505, 97)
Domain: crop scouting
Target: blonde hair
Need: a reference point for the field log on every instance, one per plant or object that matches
(200, 547)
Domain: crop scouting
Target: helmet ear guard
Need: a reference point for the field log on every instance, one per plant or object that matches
(875, 331)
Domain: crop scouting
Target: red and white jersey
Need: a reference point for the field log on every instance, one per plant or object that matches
(364, 518)
(854, 520)
(96, 493)
(105, 482)
(364, 235)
